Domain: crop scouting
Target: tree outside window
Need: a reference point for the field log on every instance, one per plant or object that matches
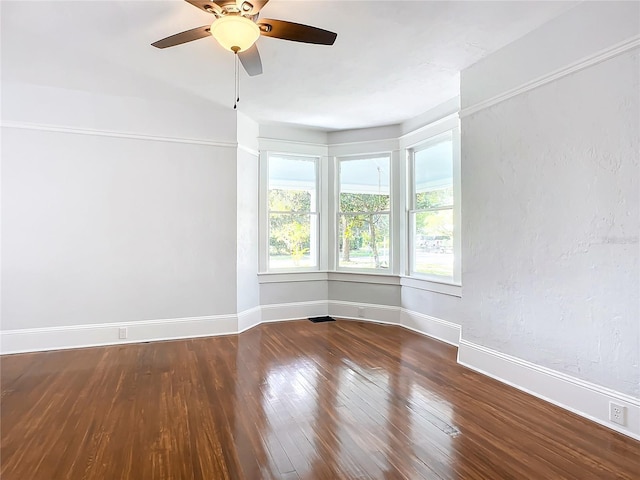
(364, 212)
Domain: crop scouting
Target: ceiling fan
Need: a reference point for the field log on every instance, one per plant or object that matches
(237, 28)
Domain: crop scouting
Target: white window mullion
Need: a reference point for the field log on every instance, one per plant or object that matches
(324, 211)
(457, 210)
(398, 217)
(263, 212)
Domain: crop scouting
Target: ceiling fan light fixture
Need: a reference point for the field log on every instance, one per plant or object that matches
(235, 33)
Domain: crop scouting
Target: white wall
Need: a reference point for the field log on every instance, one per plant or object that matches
(114, 208)
(291, 292)
(99, 229)
(173, 114)
(360, 292)
(550, 205)
(247, 215)
(118, 197)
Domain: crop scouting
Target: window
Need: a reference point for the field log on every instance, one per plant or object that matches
(364, 212)
(292, 212)
(432, 208)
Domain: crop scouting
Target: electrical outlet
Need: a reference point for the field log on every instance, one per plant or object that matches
(122, 332)
(361, 312)
(617, 413)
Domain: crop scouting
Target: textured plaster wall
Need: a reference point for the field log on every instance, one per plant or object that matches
(551, 224)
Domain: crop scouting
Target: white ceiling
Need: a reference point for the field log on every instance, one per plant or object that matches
(392, 60)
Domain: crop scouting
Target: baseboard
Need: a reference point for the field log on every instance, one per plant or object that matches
(80, 336)
(431, 326)
(249, 318)
(578, 396)
(366, 312)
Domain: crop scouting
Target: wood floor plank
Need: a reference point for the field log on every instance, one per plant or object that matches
(291, 400)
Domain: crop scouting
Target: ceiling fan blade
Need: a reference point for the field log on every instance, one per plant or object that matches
(251, 7)
(183, 37)
(208, 6)
(250, 60)
(296, 32)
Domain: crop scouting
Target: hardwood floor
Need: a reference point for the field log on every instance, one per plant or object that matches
(292, 400)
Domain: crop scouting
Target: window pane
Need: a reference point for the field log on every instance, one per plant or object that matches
(290, 200)
(364, 185)
(292, 241)
(433, 243)
(363, 202)
(434, 198)
(364, 241)
(433, 175)
(292, 183)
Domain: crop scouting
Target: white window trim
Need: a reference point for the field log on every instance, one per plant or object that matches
(263, 211)
(456, 279)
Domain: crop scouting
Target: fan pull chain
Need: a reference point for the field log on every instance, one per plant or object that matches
(237, 79)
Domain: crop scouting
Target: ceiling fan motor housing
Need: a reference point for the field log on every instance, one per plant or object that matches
(224, 8)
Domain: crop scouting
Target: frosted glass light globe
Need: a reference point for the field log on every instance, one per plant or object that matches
(235, 33)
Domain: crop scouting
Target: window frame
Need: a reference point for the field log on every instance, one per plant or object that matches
(338, 214)
(265, 229)
(455, 207)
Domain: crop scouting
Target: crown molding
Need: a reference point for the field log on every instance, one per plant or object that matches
(115, 134)
(586, 62)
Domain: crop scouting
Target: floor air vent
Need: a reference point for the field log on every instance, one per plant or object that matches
(322, 319)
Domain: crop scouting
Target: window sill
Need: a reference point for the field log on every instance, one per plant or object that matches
(299, 276)
(365, 277)
(356, 277)
(445, 288)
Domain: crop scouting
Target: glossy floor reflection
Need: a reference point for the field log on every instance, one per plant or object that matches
(292, 400)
